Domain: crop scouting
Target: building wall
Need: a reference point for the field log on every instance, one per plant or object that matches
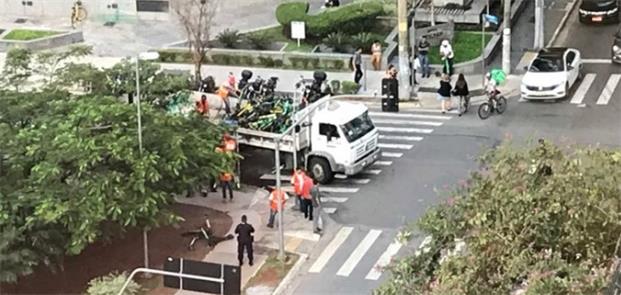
(97, 9)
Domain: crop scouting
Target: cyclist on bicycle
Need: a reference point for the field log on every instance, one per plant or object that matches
(491, 86)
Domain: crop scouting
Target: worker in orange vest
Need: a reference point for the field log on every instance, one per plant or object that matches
(307, 202)
(275, 197)
(202, 106)
(226, 180)
(229, 143)
(297, 180)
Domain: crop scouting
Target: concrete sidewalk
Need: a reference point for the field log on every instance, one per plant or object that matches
(253, 202)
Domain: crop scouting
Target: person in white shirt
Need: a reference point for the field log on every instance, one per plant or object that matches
(447, 54)
(491, 86)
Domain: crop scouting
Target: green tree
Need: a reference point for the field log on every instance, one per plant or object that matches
(17, 68)
(70, 168)
(50, 64)
(542, 219)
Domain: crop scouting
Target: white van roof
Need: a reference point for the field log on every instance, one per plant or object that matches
(340, 112)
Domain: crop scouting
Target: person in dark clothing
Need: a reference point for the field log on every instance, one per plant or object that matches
(244, 232)
(356, 63)
(423, 56)
(444, 93)
(461, 90)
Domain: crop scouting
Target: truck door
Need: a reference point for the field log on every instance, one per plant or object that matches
(330, 140)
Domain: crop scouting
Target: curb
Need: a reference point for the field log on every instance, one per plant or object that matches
(282, 286)
(561, 25)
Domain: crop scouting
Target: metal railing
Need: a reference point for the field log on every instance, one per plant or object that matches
(174, 274)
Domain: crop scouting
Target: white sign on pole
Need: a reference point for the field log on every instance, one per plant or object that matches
(297, 31)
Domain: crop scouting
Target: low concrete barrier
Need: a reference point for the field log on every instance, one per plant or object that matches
(61, 39)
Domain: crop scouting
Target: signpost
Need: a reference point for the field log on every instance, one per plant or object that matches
(297, 31)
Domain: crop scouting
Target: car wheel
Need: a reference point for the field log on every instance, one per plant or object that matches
(567, 90)
(580, 73)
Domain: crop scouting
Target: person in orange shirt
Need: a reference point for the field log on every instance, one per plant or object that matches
(202, 106)
(307, 202)
(226, 180)
(297, 180)
(275, 197)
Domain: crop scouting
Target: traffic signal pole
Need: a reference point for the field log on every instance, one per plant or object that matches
(404, 59)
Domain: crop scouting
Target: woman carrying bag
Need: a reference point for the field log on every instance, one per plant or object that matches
(461, 90)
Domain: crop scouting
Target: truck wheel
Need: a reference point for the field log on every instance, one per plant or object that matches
(320, 169)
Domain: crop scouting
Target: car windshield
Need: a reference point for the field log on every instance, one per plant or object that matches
(547, 64)
(357, 127)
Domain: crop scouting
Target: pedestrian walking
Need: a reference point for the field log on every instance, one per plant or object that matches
(275, 197)
(416, 68)
(356, 63)
(306, 198)
(226, 182)
(376, 57)
(244, 232)
(297, 181)
(423, 56)
(461, 90)
(316, 200)
(444, 93)
(447, 54)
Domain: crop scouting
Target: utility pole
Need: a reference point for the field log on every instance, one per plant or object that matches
(506, 38)
(404, 59)
(539, 41)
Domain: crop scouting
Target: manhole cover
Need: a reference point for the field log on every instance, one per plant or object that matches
(20, 20)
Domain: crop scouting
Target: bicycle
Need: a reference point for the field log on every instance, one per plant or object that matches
(495, 102)
(78, 13)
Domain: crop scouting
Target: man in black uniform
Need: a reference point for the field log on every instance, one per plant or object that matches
(244, 233)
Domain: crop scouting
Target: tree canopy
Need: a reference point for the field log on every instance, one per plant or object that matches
(542, 220)
(71, 172)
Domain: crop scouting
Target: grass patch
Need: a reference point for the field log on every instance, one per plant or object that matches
(272, 272)
(292, 46)
(466, 45)
(25, 35)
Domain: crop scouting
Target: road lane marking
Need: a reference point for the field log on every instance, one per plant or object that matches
(383, 261)
(334, 199)
(329, 251)
(329, 210)
(344, 178)
(395, 146)
(382, 163)
(358, 253)
(392, 155)
(405, 130)
(609, 89)
(409, 115)
(404, 122)
(399, 137)
(372, 171)
(596, 61)
(582, 90)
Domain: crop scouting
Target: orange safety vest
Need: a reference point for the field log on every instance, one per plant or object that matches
(275, 196)
(297, 179)
(307, 185)
(226, 176)
(202, 107)
(223, 92)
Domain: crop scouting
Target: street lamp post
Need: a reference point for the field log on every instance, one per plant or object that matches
(142, 56)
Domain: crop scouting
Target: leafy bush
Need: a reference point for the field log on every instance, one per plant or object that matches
(175, 56)
(337, 41)
(364, 40)
(351, 18)
(338, 64)
(291, 11)
(229, 38)
(349, 87)
(267, 62)
(111, 284)
(258, 41)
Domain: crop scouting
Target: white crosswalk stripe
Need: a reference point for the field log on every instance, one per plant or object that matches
(409, 115)
(392, 155)
(382, 163)
(334, 199)
(329, 251)
(582, 90)
(395, 146)
(384, 260)
(404, 122)
(358, 253)
(328, 210)
(372, 171)
(609, 89)
(399, 137)
(328, 189)
(351, 180)
(405, 130)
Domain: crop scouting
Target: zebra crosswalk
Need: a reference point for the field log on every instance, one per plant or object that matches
(595, 89)
(399, 134)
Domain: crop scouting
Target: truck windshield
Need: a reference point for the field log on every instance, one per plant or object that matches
(358, 127)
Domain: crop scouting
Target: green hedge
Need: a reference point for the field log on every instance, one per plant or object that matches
(351, 18)
(302, 63)
(291, 11)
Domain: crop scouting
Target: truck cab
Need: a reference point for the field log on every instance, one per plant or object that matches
(343, 139)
